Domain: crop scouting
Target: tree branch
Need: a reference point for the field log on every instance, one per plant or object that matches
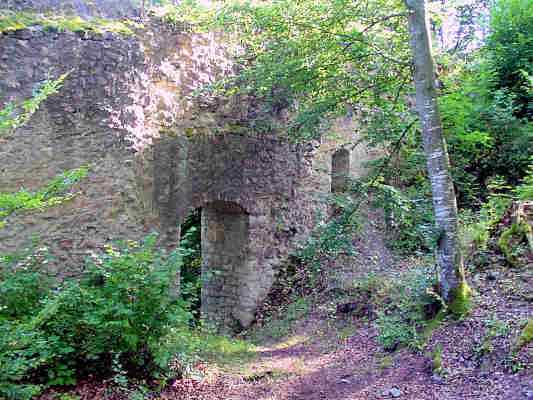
(383, 19)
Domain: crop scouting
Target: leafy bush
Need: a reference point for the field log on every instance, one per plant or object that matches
(117, 313)
(407, 309)
(485, 137)
(525, 190)
(409, 215)
(475, 230)
(24, 285)
(191, 255)
(513, 243)
(335, 236)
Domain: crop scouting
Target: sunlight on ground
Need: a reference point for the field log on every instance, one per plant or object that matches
(291, 341)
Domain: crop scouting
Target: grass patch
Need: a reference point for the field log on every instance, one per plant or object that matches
(281, 324)
(191, 346)
(384, 361)
(346, 332)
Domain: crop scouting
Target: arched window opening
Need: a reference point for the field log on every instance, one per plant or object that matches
(340, 169)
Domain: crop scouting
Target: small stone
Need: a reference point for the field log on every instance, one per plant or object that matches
(437, 379)
(492, 276)
(395, 392)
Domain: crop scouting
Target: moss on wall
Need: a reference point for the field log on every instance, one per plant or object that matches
(14, 21)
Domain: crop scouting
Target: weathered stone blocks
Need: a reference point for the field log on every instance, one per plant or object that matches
(127, 110)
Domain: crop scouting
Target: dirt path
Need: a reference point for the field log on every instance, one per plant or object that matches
(327, 357)
(356, 368)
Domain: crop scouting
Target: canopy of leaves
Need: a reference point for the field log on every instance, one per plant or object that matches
(320, 59)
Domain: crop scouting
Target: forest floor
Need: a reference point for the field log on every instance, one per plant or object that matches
(324, 355)
(318, 353)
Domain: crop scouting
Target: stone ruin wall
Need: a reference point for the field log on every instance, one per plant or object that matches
(84, 8)
(120, 92)
(261, 196)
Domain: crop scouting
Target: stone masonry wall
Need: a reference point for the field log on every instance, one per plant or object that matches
(276, 185)
(85, 8)
(120, 91)
(127, 110)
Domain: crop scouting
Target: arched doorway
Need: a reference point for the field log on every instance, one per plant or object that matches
(340, 169)
(225, 238)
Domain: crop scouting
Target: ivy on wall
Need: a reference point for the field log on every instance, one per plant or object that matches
(14, 115)
(55, 192)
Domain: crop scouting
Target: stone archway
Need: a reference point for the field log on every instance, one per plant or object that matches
(225, 248)
(340, 169)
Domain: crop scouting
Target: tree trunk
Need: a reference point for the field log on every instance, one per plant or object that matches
(142, 9)
(454, 289)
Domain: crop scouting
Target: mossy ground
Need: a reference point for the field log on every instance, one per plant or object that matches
(461, 300)
(510, 241)
(526, 336)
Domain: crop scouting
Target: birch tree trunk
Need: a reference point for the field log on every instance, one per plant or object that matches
(455, 291)
(143, 9)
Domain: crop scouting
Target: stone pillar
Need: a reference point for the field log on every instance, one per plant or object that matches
(225, 244)
(170, 190)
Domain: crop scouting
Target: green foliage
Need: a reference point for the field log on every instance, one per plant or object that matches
(54, 193)
(476, 229)
(485, 138)
(314, 58)
(24, 285)
(190, 250)
(513, 242)
(13, 21)
(524, 191)
(118, 311)
(407, 309)
(526, 336)
(436, 360)
(486, 129)
(279, 325)
(510, 50)
(334, 237)
(13, 115)
(494, 328)
(409, 215)
(120, 319)
(186, 15)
